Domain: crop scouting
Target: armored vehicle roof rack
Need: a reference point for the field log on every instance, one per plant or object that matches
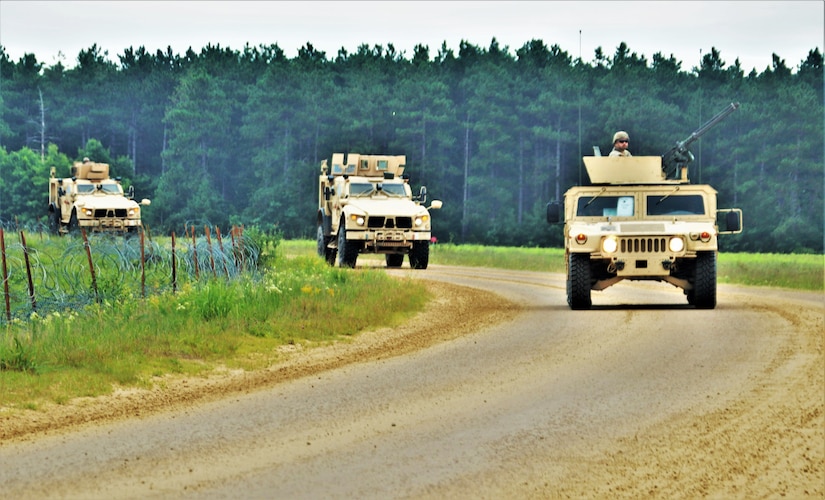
(367, 165)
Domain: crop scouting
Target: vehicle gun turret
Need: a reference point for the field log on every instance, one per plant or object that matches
(679, 155)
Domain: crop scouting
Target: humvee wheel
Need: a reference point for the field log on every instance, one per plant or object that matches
(347, 250)
(578, 281)
(324, 251)
(420, 255)
(395, 259)
(703, 295)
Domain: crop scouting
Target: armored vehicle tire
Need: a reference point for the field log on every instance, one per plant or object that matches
(703, 294)
(73, 224)
(347, 250)
(578, 281)
(324, 251)
(420, 255)
(395, 259)
(54, 222)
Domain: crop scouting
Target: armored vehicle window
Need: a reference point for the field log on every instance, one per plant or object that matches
(675, 205)
(382, 164)
(85, 188)
(360, 189)
(394, 189)
(110, 188)
(604, 206)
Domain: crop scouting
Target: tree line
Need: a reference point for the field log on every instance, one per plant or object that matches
(231, 137)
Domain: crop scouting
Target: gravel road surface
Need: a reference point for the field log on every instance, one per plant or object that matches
(498, 390)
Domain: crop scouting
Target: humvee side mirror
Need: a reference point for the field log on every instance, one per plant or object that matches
(145, 202)
(435, 205)
(554, 212)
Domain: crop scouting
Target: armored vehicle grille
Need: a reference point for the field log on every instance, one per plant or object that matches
(390, 222)
(643, 245)
(108, 212)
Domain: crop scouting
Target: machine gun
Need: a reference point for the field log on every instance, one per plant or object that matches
(679, 156)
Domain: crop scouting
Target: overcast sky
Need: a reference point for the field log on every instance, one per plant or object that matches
(748, 30)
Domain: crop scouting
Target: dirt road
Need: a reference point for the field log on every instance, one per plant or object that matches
(499, 390)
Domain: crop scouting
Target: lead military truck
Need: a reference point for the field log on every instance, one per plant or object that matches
(91, 199)
(641, 219)
(366, 205)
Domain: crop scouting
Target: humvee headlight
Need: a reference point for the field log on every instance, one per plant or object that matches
(358, 219)
(88, 212)
(133, 212)
(676, 244)
(610, 244)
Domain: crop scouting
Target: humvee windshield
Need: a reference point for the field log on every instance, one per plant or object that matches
(604, 206)
(85, 189)
(659, 204)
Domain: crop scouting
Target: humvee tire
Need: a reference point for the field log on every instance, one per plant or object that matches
(578, 281)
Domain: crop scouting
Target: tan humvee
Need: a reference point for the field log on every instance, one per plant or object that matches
(633, 223)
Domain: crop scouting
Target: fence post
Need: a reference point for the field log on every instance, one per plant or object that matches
(211, 257)
(142, 267)
(28, 271)
(195, 254)
(91, 264)
(174, 266)
(5, 274)
(223, 255)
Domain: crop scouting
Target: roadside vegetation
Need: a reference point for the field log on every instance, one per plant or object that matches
(79, 343)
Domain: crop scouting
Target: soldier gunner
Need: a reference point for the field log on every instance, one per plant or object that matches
(620, 142)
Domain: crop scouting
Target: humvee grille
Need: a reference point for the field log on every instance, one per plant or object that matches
(643, 245)
(389, 222)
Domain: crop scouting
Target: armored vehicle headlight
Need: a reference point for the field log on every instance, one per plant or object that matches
(88, 211)
(610, 244)
(133, 212)
(421, 220)
(676, 244)
(358, 219)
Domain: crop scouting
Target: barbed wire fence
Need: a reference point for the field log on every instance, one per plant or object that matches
(43, 273)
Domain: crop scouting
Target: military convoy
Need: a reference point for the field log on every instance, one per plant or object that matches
(91, 200)
(641, 219)
(366, 205)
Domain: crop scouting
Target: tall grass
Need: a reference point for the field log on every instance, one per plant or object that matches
(208, 323)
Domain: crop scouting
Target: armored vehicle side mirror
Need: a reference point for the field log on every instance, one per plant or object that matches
(436, 204)
(554, 212)
(422, 194)
(733, 221)
(327, 193)
(145, 202)
(61, 191)
(131, 192)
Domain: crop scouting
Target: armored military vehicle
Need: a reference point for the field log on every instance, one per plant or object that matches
(641, 219)
(366, 205)
(92, 200)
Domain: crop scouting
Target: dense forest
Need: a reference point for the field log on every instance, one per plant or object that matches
(226, 137)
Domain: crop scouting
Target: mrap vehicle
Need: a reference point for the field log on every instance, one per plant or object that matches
(641, 219)
(366, 205)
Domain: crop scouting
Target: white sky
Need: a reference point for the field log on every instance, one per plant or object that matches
(748, 30)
